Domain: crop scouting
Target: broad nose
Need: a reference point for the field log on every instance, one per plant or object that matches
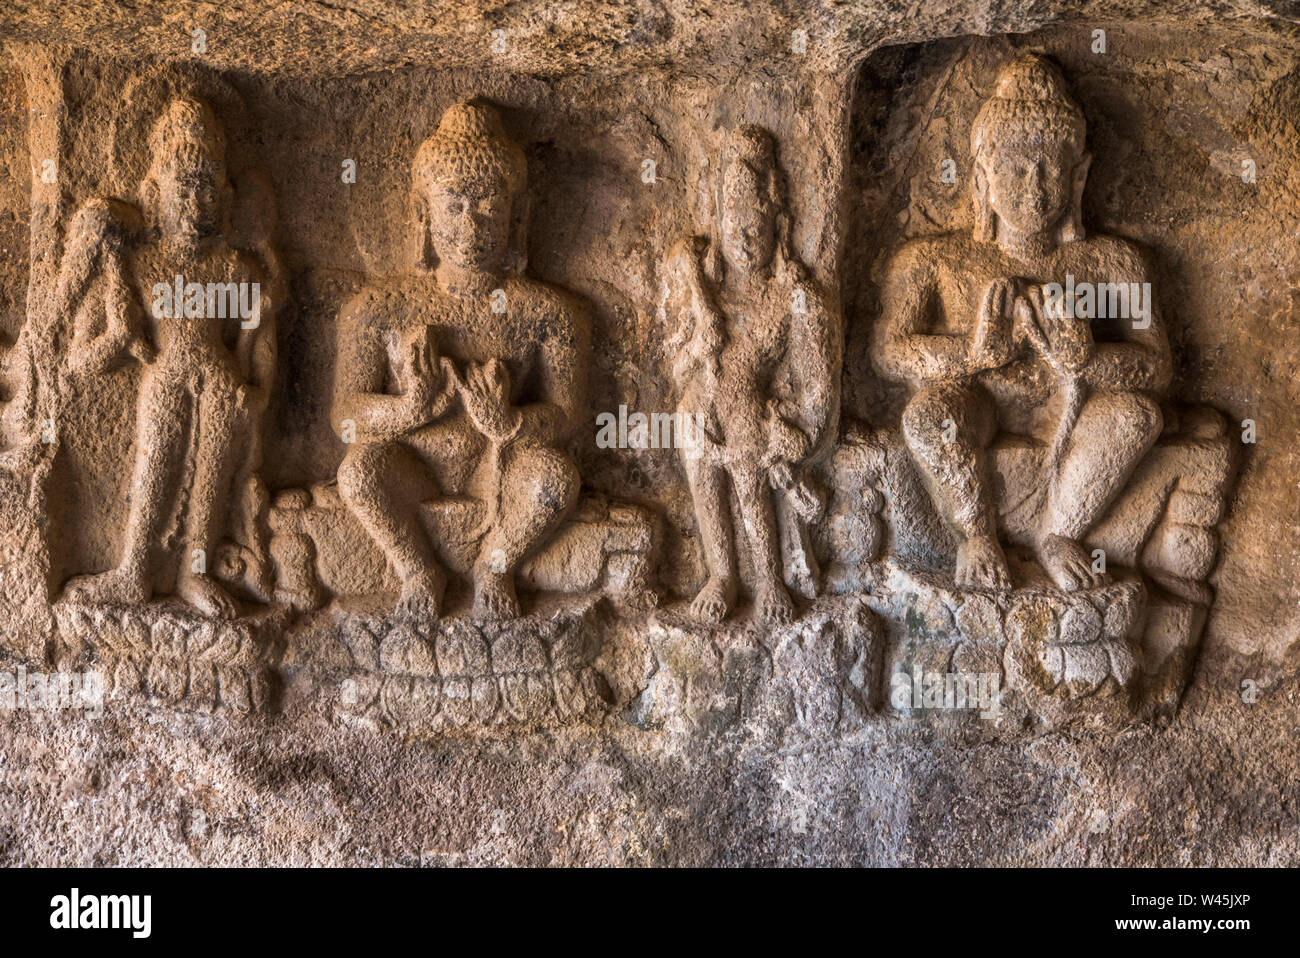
(1036, 178)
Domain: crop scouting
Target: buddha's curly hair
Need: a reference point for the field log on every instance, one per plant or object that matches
(469, 146)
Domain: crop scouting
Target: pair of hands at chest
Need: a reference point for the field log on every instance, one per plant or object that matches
(1014, 313)
(430, 384)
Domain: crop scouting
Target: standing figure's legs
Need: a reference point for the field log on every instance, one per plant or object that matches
(165, 414)
(250, 500)
(709, 495)
(209, 496)
(771, 600)
(947, 427)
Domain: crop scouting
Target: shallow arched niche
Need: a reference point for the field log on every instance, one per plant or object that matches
(1180, 120)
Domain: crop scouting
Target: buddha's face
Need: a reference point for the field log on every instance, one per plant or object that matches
(188, 182)
(748, 220)
(1030, 187)
(469, 223)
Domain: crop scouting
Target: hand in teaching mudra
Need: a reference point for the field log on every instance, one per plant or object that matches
(993, 345)
(485, 392)
(1064, 341)
(424, 379)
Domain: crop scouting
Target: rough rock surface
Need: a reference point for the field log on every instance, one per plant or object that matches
(301, 705)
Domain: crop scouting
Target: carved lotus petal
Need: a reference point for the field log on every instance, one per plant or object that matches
(128, 678)
(364, 646)
(114, 640)
(1086, 667)
(1080, 624)
(570, 700)
(1123, 664)
(527, 697)
(203, 685)
(1052, 659)
(1032, 623)
(1120, 615)
(168, 636)
(930, 613)
(485, 698)
(135, 634)
(518, 652)
(979, 618)
(461, 650)
(404, 652)
(357, 693)
(411, 700)
(205, 637)
(456, 704)
(167, 678)
(260, 688)
(395, 698)
(234, 688)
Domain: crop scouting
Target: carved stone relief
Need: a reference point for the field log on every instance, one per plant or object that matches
(1035, 422)
(755, 358)
(790, 454)
(1035, 415)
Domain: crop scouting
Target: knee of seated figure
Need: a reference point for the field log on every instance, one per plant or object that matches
(360, 471)
(549, 478)
(1138, 418)
(929, 421)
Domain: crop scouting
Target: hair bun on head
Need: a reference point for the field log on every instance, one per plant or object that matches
(184, 121)
(1031, 78)
(1030, 108)
(1030, 101)
(470, 145)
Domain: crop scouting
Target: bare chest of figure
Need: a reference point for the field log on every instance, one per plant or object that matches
(183, 338)
(963, 282)
(467, 330)
(757, 334)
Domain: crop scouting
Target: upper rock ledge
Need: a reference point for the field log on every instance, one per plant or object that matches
(553, 37)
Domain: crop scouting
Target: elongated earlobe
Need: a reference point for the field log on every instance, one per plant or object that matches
(985, 219)
(1071, 229)
(517, 258)
(424, 259)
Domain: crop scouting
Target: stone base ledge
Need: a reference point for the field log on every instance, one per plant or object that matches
(818, 675)
(173, 655)
(458, 673)
(1108, 656)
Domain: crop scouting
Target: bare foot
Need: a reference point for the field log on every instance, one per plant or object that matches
(117, 586)
(774, 604)
(421, 596)
(714, 601)
(202, 592)
(1069, 566)
(981, 564)
(494, 595)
